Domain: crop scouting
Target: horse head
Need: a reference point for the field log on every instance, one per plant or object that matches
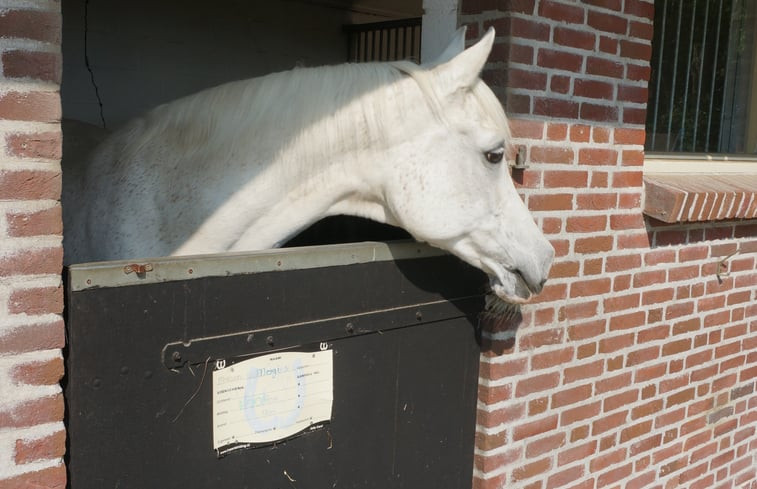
(454, 189)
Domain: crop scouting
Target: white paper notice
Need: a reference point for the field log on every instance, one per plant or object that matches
(270, 398)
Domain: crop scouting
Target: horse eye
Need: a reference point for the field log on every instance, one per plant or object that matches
(495, 156)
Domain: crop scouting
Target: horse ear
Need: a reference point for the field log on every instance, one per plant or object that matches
(455, 47)
(462, 71)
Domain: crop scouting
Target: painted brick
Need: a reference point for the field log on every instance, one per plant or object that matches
(30, 106)
(49, 447)
(50, 478)
(31, 24)
(35, 65)
(46, 145)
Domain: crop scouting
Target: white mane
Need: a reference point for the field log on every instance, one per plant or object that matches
(283, 107)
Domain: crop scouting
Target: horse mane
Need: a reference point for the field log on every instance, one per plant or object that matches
(281, 107)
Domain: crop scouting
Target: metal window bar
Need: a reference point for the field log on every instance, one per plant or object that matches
(698, 66)
(385, 41)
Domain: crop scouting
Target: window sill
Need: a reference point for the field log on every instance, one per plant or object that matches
(699, 197)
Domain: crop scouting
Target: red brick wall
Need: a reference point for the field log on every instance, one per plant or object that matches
(32, 435)
(636, 367)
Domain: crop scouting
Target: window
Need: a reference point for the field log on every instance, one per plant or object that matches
(703, 89)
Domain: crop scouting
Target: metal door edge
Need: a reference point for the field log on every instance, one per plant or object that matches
(167, 269)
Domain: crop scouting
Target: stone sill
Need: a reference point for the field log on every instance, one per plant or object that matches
(700, 197)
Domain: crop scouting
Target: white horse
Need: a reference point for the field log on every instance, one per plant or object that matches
(248, 164)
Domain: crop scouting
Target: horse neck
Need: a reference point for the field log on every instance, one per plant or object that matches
(335, 165)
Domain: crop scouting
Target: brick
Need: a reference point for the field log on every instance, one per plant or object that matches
(551, 359)
(490, 441)
(627, 179)
(597, 201)
(570, 396)
(47, 222)
(30, 185)
(614, 475)
(574, 38)
(640, 8)
(621, 222)
(49, 447)
(45, 145)
(629, 136)
(598, 112)
(634, 116)
(47, 372)
(585, 288)
(560, 84)
(30, 106)
(537, 383)
(50, 478)
(607, 22)
(643, 355)
(592, 245)
(628, 321)
(603, 67)
(557, 131)
(620, 400)
(34, 337)
(632, 157)
(532, 469)
(565, 477)
(550, 202)
(597, 156)
(636, 50)
(35, 65)
(652, 407)
(529, 129)
(634, 94)
(491, 462)
(559, 60)
(31, 24)
(583, 372)
(528, 29)
(609, 384)
(32, 413)
(645, 279)
(615, 343)
(580, 133)
(32, 262)
(579, 452)
(638, 72)
(561, 12)
(593, 89)
(586, 331)
(556, 108)
(680, 397)
(652, 372)
(564, 269)
(531, 429)
(599, 179)
(657, 296)
(580, 413)
(501, 370)
(526, 79)
(621, 263)
(586, 224)
(545, 445)
(43, 300)
(566, 178)
(551, 154)
(607, 459)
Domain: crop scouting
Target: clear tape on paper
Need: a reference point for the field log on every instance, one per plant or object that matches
(270, 398)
